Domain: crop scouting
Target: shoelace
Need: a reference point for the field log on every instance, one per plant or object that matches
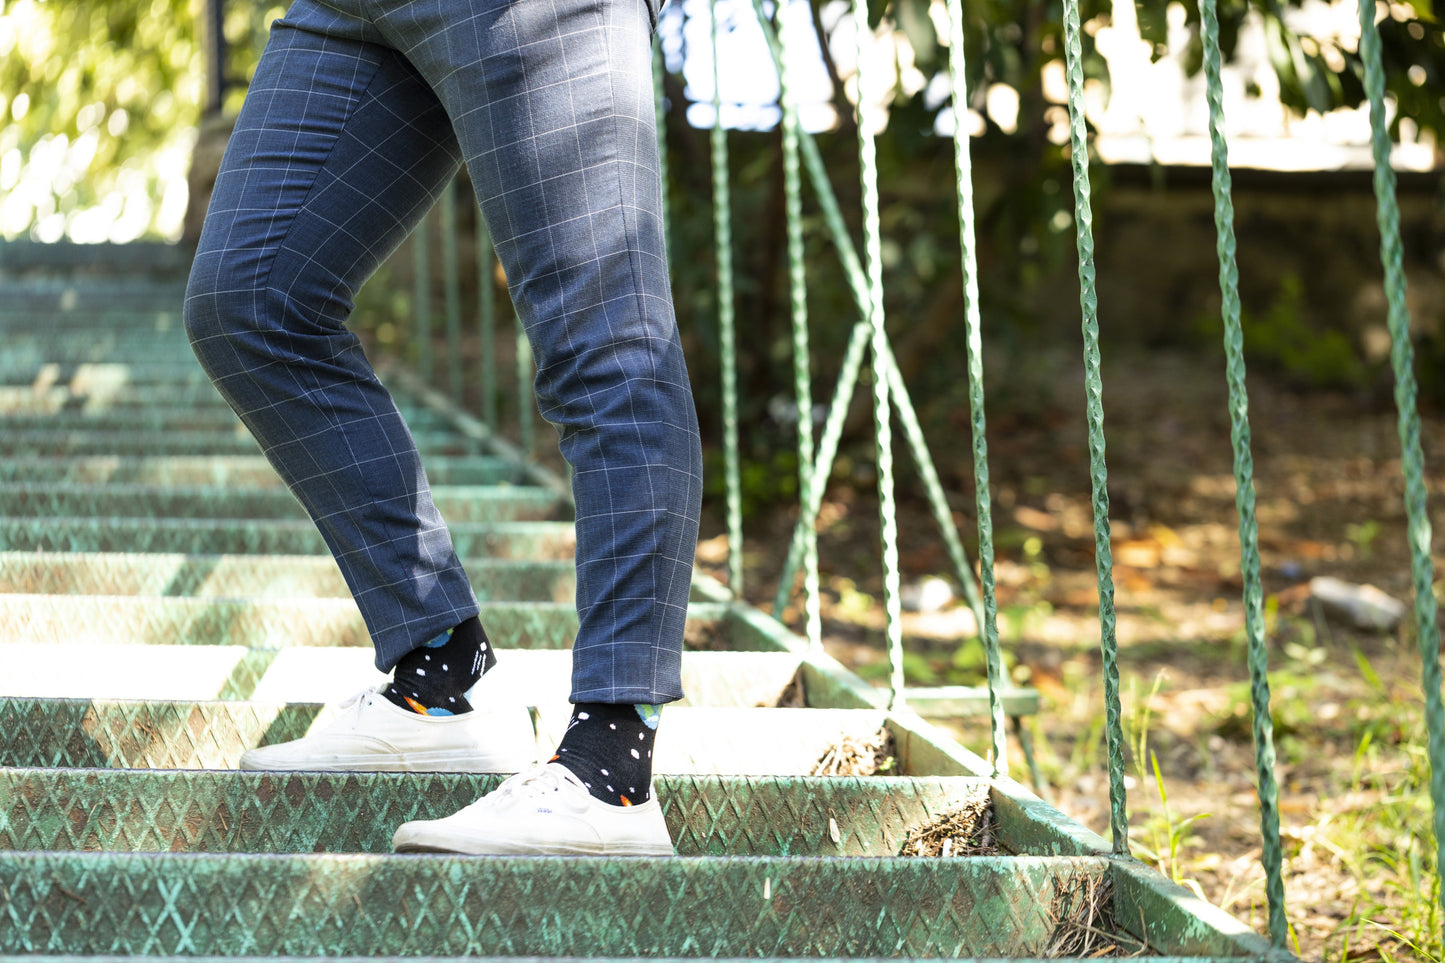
(525, 787)
(358, 701)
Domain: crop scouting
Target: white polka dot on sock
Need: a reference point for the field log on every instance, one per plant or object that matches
(610, 789)
(425, 656)
(635, 755)
(583, 715)
(612, 725)
(421, 671)
(604, 772)
(444, 666)
(641, 736)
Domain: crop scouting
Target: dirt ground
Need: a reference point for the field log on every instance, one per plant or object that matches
(1346, 702)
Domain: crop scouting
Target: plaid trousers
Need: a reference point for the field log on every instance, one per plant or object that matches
(359, 114)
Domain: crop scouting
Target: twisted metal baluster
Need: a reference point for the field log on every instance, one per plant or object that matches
(1412, 462)
(802, 378)
(727, 336)
(882, 420)
(963, 170)
(1244, 481)
(1094, 389)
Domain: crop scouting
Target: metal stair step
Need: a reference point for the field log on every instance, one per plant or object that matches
(236, 471)
(500, 540)
(199, 734)
(27, 443)
(322, 904)
(251, 576)
(469, 503)
(312, 675)
(284, 623)
(156, 410)
(66, 810)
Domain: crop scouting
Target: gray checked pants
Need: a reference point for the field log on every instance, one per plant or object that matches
(359, 114)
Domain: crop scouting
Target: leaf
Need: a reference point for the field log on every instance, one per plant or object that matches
(913, 19)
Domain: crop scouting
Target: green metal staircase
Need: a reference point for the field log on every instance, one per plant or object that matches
(148, 551)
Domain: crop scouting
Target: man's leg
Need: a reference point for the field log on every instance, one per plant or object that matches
(338, 152)
(552, 103)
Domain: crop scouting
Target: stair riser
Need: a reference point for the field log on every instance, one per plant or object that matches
(138, 904)
(465, 504)
(235, 471)
(253, 577)
(117, 811)
(503, 540)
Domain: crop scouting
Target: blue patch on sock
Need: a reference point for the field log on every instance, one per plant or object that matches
(650, 715)
(440, 640)
(440, 712)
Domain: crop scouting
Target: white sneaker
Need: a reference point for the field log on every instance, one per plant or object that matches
(545, 811)
(373, 735)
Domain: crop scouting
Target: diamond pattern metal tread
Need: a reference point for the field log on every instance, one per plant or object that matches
(471, 503)
(198, 673)
(209, 536)
(229, 470)
(281, 623)
(332, 904)
(100, 734)
(250, 576)
(27, 442)
(249, 812)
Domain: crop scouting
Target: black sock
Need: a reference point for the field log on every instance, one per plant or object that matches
(609, 748)
(430, 679)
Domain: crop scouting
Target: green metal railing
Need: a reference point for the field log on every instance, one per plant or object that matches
(802, 164)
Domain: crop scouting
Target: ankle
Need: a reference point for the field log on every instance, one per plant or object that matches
(433, 678)
(609, 747)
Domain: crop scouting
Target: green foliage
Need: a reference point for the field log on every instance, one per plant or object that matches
(1282, 338)
(101, 101)
(103, 98)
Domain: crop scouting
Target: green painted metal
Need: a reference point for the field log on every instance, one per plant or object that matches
(233, 471)
(1253, 596)
(332, 904)
(1412, 462)
(870, 118)
(251, 576)
(802, 356)
(85, 733)
(501, 540)
(160, 672)
(1093, 391)
(288, 622)
(727, 333)
(116, 500)
(46, 441)
(963, 180)
(67, 810)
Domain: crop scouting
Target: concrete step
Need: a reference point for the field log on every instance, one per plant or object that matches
(468, 503)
